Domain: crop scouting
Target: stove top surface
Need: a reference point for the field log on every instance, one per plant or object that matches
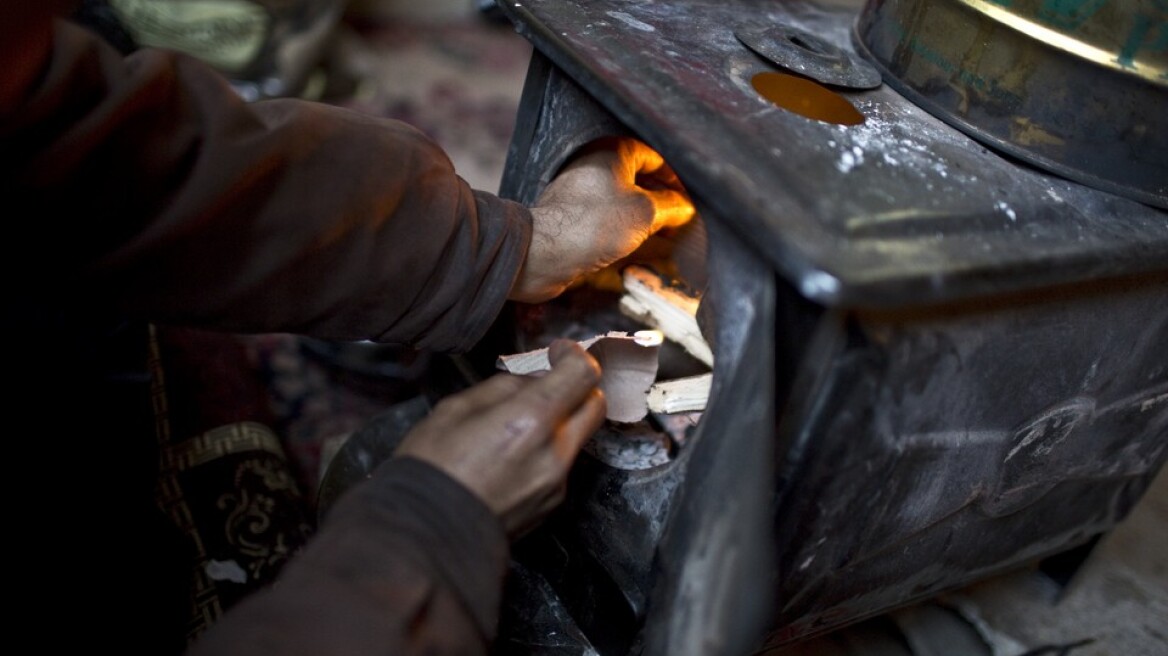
(900, 209)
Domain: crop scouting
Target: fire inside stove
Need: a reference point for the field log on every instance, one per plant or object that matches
(583, 579)
(640, 320)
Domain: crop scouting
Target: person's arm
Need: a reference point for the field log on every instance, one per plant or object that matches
(408, 562)
(412, 560)
(145, 181)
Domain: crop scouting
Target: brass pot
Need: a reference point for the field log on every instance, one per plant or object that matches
(1076, 87)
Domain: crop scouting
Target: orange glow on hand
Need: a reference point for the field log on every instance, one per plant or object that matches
(646, 169)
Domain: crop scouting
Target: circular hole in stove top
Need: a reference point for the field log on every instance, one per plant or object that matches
(806, 98)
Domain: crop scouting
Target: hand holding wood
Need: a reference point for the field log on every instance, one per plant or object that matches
(512, 439)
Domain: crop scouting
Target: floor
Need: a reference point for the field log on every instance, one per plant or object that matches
(456, 73)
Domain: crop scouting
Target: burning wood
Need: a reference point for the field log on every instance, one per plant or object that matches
(680, 395)
(628, 364)
(669, 310)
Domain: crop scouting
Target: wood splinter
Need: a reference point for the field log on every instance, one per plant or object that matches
(688, 394)
(648, 300)
(628, 364)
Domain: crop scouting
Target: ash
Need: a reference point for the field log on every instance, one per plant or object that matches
(631, 446)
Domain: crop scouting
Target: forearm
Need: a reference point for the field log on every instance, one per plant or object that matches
(154, 185)
(408, 562)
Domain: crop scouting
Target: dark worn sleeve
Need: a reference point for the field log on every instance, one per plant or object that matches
(408, 562)
(146, 183)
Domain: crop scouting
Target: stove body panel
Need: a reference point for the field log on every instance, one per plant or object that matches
(901, 209)
(927, 372)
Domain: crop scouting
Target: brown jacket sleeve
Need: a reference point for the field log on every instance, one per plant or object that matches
(408, 562)
(144, 181)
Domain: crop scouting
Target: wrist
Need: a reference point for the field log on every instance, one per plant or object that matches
(550, 265)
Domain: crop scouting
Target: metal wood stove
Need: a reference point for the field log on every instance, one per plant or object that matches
(933, 363)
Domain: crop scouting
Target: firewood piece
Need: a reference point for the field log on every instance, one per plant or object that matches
(648, 300)
(535, 361)
(680, 394)
(628, 366)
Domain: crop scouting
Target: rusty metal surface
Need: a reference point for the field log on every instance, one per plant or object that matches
(901, 209)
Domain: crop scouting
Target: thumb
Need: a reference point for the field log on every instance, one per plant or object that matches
(647, 171)
(638, 159)
(671, 208)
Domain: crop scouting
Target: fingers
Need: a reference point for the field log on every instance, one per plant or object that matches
(587, 416)
(573, 376)
(554, 395)
(647, 171)
(639, 159)
(580, 426)
(626, 158)
(489, 393)
(562, 349)
(670, 208)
